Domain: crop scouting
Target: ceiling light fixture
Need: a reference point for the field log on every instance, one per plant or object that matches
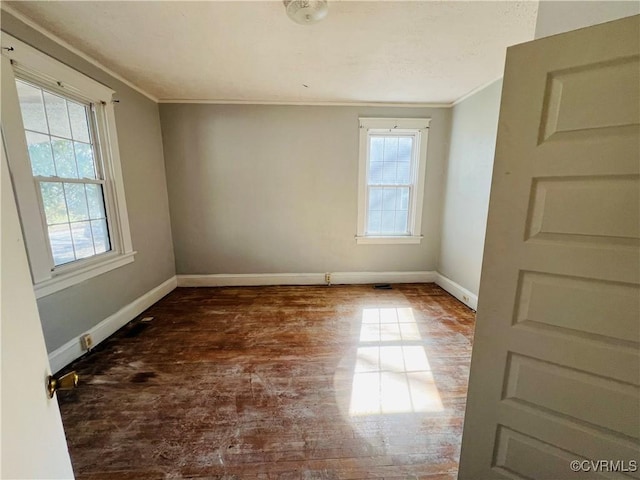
(306, 12)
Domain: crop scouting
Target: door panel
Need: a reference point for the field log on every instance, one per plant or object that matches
(33, 441)
(555, 372)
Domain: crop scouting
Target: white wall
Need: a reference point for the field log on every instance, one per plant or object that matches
(274, 189)
(563, 16)
(474, 127)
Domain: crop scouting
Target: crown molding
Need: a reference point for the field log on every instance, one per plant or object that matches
(307, 103)
(54, 38)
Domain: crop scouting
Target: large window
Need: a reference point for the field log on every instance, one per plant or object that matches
(392, 171)
(68, 178)
(59, 127)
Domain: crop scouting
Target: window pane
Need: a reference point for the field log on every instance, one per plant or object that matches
(374, 221)
(404, 199)
(61, 244)
(82, 239)
(100, 236)
(389, 199)
(387, 211)
(404, 173)
(79, 123)
(375, 198)
(84, 157)
(405, 145)
(32, 107)
(390, 149)
(389, 172)
(388, 221)
(64, 158)
(55, 208)
(95, 200)
(57, 115)
(402, 218)
(375, 173)
(376, 148)
(76, 201)
(40, 154)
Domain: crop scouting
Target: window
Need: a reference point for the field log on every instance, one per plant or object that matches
(68, 179)
(393, 155)
(61, 142)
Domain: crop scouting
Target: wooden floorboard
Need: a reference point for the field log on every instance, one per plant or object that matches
(340, 382)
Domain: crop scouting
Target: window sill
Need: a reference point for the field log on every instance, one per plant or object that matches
(86, 272)
(382, 240)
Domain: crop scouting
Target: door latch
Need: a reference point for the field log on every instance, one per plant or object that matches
(65, 382)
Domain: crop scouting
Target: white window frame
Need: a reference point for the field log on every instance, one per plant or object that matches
(417, 127)
(23, 61)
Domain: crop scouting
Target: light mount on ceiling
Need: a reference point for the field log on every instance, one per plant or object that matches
(306, 12)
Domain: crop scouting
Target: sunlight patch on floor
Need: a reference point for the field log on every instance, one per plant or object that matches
(392, 372)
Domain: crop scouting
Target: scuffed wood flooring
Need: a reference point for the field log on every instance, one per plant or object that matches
(341, 382)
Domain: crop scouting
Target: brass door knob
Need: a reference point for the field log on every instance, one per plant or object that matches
(66, 382)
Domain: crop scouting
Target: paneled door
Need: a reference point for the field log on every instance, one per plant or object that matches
(33, 441)
(555, 371)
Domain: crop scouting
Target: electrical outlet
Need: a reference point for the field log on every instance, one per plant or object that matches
(327, 278)
(86, 341)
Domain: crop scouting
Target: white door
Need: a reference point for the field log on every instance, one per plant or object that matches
(555, 371)
(33, 442)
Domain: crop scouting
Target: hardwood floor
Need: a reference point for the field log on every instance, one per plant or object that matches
(341, 382)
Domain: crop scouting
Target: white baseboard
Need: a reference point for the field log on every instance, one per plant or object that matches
(64, 355)
(337, 278)
(250, 279)
(348, 278)
(458, 291)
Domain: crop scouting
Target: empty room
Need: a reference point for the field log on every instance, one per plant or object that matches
(320, 239)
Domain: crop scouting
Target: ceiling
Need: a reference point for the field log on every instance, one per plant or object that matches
(250, 51)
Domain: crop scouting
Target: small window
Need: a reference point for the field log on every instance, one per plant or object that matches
(59, 128)
(392, 171)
